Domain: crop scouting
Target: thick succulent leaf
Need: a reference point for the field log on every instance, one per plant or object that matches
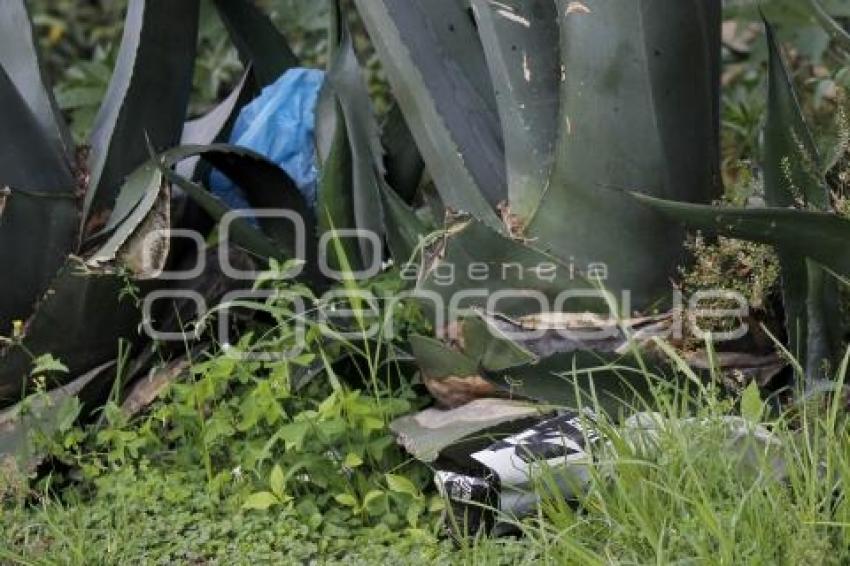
(404, 228)
(521, 42)
(242, 232)
(142, 188)
(42, 414)
(147, 96)
(366, 154)
(435, 63)
(638, 109)
(820, 236)
(267, 186)
(28, 159)
(580, 379)
(79, 321)
(474, 262)
(141, 185)
(19, 58)
(490, 347)
(335, 203)
(792, 166)
(258, 41)
(438, 361)
(36, 235)
(428, 433)
(403, 161)
(38, 215)
(793, 176)
(214, 125)
(823, 17)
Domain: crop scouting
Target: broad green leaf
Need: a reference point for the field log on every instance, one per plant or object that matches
(752, 406)
(521, 43)
(400, 484)
(435, 64)
(46, 363)
(258, 41)
(277, 481)
(352, 461)
(20, 59)
(147, 97)
(639, 109)
(346, 499)
(490, 348)
(260, 501)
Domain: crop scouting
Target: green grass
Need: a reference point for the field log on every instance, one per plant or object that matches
(692, 491)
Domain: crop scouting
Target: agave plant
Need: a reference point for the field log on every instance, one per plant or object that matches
(103, 211)
(583, 137)
(85, 231)
(533, 117)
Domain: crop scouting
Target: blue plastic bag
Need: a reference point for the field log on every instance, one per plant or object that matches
(281, 125)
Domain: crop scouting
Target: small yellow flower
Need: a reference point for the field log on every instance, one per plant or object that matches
(17, 329)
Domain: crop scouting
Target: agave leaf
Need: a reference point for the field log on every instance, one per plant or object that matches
(149, 181)
(520, 40)
(580, 379)
(473, 262)
(41, 414)
(267, 186)
(242, 231)
(435, 63)
(20, 59)
(363, 136)
(402, 161)
(820, 236)
(38, 216)
(793, 176)
(427, 434)
(214, 125)
(141, 186)
(793, 172)
(335, 203)
(836, 32)
(79, 320)
(147, 96)
(258, 41)
(439, 361)
(490, 347)
(404, 228)
(638, 109)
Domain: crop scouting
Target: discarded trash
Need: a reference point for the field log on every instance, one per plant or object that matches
(279, 124)
(500, 484)
(503, 487)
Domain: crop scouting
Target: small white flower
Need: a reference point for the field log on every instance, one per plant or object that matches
(237, 473)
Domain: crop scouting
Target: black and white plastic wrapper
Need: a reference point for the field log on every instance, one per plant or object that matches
(558, 451)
